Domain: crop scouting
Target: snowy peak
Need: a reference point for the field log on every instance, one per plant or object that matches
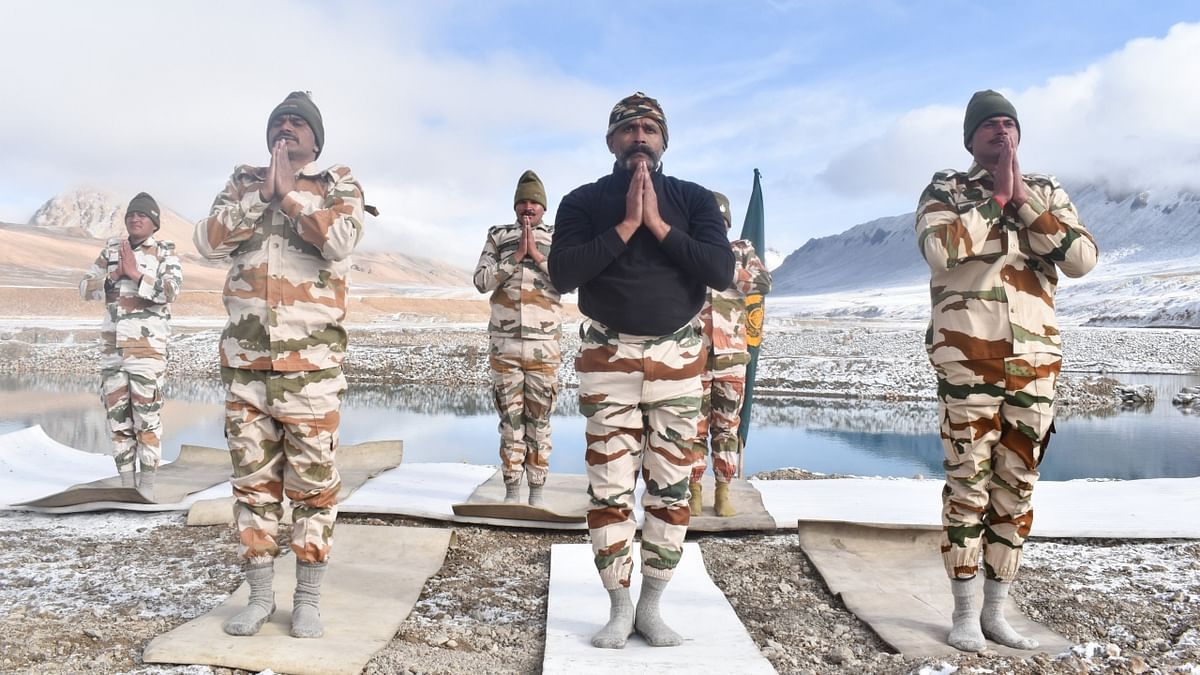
(1128, 225)
(87, 213)
(98, 214)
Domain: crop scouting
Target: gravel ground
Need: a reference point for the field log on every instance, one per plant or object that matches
(85, 593)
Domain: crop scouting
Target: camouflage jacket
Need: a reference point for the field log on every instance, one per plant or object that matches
(524, 302)
(286, 287)
(724, 312)
(994, 272)
(136, 315)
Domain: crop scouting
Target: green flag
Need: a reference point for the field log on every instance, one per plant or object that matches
(754, 231)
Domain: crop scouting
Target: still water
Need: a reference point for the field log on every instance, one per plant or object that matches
(448, 424)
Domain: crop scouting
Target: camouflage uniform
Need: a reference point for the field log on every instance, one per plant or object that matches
(641, 398)
(134, 356)
(994, 341)
(724, 377)
(282, 350)
(524, 350)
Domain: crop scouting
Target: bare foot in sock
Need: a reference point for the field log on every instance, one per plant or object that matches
(620, 621)
(649, 621)
(965, 634)
(995, 626)
(261, 605)
(997, 629)
(512, 493)
(535, 497)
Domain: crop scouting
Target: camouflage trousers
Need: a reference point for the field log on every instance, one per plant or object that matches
(524, 388)
(724, 382)
(282, 429)
(641, 397)
(996, 418)
(131, 391)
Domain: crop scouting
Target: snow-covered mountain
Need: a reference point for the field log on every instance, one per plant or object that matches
(1149, 270)
(1137, 227)
(68, 231)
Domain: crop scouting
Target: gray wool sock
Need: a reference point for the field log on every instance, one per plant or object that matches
(262, 601)
(535, 496)
(965, 634)
(306, 613)
(995, 626)
(620, 621)
(126, 478)
(146, 483)
(512, 493)
(649, 621)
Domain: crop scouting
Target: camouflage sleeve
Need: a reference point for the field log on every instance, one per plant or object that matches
(493, 270)
(1055, 232)
(236, 213)
(162, 285)
(945, 234)
(333, 223)
(758, 277)
(91, 287)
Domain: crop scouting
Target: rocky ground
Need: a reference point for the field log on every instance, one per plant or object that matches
(85, 593)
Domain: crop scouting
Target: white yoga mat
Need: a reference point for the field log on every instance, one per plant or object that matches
(33, 465)
(1158, 508)
(374, 578)
(715, 641)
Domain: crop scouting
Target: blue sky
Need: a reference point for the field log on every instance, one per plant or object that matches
(846, 107)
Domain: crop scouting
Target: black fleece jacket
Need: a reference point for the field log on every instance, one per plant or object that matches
(643, 286)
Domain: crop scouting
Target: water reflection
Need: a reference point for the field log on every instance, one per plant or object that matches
(439, 423)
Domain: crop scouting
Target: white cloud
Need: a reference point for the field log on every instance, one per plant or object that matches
(168, 97)
(1129, 120)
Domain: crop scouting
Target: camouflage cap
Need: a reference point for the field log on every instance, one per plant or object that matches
(300, 103)
(144, 203)
(530, 187)
(984, 105)
(634, 106)
(723, 205)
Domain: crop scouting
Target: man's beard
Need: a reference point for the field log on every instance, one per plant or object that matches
(639, 153)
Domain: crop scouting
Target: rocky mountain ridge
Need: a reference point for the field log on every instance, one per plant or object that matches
(1129, 226)
(69, 228)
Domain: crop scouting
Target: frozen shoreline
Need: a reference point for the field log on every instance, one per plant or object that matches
(855, 360)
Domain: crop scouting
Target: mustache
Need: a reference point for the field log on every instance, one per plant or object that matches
(283, 134)
(638, 148)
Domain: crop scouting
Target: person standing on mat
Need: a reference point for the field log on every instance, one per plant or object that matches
(641, 247)
(524, 331)
(995, 240)
(137, 277)
(724, 379)
(288, 230)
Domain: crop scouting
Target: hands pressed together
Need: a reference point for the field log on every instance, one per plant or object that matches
(281, 177)
(127, 266)
(1010, 188)
(528, 245)
(641, 207)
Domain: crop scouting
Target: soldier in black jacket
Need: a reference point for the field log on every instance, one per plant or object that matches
(642, 248)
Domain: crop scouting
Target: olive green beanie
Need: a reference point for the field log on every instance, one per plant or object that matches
(144, 203)
(530, 187)
(300, 103)
(984, 105)
(723, 205)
